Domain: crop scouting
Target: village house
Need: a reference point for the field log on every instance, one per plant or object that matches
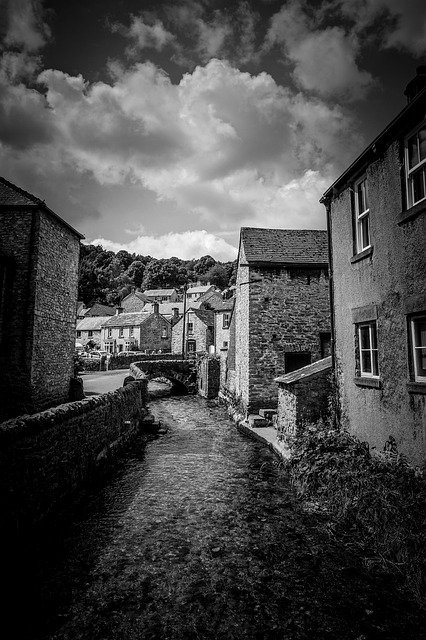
(136, 331)
(222, 321)
(88, 330)
(377, 228)
(195, 291)
(172, 311)
(281, 319)
(134, 301)
(199, 332)
(162, 295)
(38, 301)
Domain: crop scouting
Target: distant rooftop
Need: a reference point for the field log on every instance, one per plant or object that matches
(202, 288)
(159, 292)
(284, 246)
(127, 319)
(94, 323)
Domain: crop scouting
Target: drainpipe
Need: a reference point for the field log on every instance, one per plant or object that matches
(326, 201)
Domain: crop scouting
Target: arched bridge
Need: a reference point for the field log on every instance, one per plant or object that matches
(181, 373)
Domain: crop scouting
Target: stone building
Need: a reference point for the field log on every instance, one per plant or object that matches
(377, 227)
(161, 295)
(196, 291)
(138, 330)
(282, 312)
(199, 332)
(39, 254)
(89, 330)
(222, 323)
(134, 301)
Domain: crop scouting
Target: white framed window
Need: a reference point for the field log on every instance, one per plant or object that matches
(127, 345)
(190, 327)
(362, 215)
(368, 352)
(121, 332)
(164, 332)
(418, 337)
(109, 347)
(131, 331)
(415, 166)
(226, 320)
(110, 332)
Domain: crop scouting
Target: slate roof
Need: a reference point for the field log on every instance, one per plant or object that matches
(94, 323)
(200, 288)
(159, 292)
(223, 305)
(138, 294)
(305, 372)
(99, 309)
(284, 246)
(205, 316)
(127, 319)
(13, 196)
(165, 308)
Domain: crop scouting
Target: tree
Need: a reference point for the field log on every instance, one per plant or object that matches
(217, 275)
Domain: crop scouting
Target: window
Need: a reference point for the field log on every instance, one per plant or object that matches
(110, 332)
(90, 334)
(127, 345)
(368, 353)
(225, 344)
(164, 333)
(78, 334)
(226, 320)
(362, 216)
(415, 162)
(121, 332)
(131, 331)
(190, 327)
(109, 346)
(190, 347)
(418, 337)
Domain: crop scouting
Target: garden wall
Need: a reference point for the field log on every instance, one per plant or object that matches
(47, 456)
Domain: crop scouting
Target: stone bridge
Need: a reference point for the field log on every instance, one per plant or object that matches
(181, 373)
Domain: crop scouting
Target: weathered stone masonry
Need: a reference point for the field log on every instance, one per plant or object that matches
(45, 457)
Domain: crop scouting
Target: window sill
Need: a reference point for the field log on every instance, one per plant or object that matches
(363, 254)
(412, 212)
(372, 383)
(416, 387)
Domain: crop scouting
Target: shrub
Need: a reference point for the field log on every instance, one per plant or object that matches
(377, 505)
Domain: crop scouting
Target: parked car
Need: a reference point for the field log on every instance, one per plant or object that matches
(98, 354)
(128, 353)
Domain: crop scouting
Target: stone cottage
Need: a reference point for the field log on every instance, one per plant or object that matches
(136, 331)
(199, 332)
(222, 323)
(282, 310)
(90, 329)
(39, 255)
(134, 301)
(377, 228)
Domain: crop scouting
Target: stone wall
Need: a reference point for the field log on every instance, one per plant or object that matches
(208, 376)
(151, 334)
(303, 402)
(38, 332)
(391, 277)
(124, 362)
(46, 457)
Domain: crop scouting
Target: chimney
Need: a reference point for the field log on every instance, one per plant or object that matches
(118, 310)
(175, 316)
(156, 308)
(417, 84)
(133, 289)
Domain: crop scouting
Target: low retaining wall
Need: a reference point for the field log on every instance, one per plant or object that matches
(208, 378)
(124, 362)
(45, 457)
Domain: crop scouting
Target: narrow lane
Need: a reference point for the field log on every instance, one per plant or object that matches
(198, 536)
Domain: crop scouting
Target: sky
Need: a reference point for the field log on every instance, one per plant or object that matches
(163, 127)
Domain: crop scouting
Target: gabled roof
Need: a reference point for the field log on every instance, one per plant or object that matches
(284, 246)
(99, 309)
(13, 196)
(138, 294)
(200, 288)
(305, 372)
(127, 319)
(205, 316)
(94, 323)
(159, 292)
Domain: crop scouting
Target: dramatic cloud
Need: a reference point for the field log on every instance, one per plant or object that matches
(324, 59)
(144, 35)
(222, 145)
(186, 245)
(402, 22)
(25, 27)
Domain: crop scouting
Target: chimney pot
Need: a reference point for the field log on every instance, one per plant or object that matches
(118, 310)
(156, 308)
